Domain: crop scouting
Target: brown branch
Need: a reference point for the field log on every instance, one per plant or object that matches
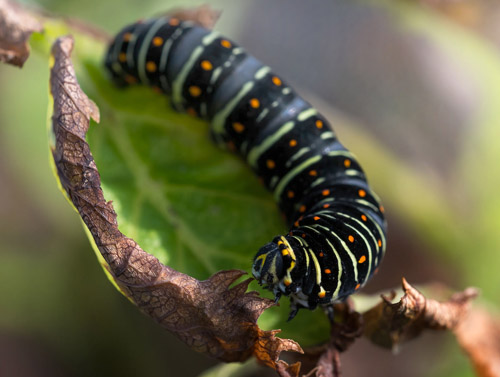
(389, 325)
(479, 336)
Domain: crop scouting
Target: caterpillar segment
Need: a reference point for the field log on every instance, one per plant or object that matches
(337, 234)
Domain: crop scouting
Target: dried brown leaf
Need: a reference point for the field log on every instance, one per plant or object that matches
(210, 316)
(465, 12)
(479, 335)
(285, 370)
(267, 350)
(16, 26)
(389, 325)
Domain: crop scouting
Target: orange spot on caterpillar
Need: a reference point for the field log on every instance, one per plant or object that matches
(350, 238)
(292, 143)
(191, 111)
(362, 193)
(127, 37)
(157, 41)
(270, 164)
(326, 192)
(319, 124)
(255, 103)
(174, 22)
(276, 81)
(206, 65)
(151, 66)
(296, 223)
(303, 235)
(347, 163)
(225, 43)
(284, 252)
(321, 294)
(313, 173)
(379, 243)
(382, 209)
(122, 57)
(287, 282)
(357, 287)
(362, 259)
(321, 254)
(328, 271)
(363, 217)
(290, 194)
(238, 127)
(326, 205)
(316, 218)
(302, 209)
(194, 91)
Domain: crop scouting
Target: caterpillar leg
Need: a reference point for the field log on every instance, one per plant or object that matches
(330, 312)
(294, 309)
(277, 296)
(293, 313)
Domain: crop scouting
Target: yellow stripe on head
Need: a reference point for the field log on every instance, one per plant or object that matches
(288, 246)
(263, 257)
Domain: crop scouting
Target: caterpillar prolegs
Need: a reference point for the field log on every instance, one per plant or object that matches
(337, 227)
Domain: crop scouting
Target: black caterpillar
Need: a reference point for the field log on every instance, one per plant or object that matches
(337, 235)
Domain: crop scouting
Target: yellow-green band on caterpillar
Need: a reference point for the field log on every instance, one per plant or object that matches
(337, 234)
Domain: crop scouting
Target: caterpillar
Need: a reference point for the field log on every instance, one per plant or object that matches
(337, 234)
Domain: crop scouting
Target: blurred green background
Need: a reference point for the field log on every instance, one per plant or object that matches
(412, 90)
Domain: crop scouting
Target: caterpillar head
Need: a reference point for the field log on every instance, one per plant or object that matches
(268, 265)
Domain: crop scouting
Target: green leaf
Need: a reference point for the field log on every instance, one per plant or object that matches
(197, 208)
